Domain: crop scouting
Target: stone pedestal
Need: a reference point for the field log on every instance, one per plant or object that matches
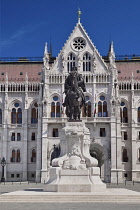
(74, 170)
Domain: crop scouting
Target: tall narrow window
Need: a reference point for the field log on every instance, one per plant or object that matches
(34, 114)
(13, 137)
(86, 62)
(55, 132)
(124, 155)
(125, 135)
(33, 137)
(138, 135)
(16, 114)
(123, 113)
(0, 116)
(33, 157)
(13, 158)
(71, 61)
(18, 137)
(55, 107)
(18, 156)
(139, 154)
(13, 116)
(102, 107)
(102, 132)
(19, 116)
(138, 114)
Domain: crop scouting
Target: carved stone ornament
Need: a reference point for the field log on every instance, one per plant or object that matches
(74, 143)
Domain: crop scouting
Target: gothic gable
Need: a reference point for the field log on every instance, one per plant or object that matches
(76, 50)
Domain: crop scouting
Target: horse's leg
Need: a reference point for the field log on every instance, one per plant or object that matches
(79, 112)
(75, 113)
(71, 113)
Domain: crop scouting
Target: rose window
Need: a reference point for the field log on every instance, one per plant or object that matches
(79, 44)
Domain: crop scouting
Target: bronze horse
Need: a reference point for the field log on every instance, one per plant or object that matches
(74, 95)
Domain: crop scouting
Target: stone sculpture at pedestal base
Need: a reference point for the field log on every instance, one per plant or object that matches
(74, 170)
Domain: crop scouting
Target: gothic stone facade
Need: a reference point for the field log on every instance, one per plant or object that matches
(31, 112)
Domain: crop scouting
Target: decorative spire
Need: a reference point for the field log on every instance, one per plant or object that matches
(46, 56)
(79, 14)
(111, 55)
(46, 49)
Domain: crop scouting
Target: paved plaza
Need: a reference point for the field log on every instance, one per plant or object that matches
(68, 206)
(38, 188)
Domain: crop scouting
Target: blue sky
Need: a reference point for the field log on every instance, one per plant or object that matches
(25, 25)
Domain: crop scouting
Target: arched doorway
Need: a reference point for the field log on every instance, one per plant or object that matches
(101, 153)
(96, 151)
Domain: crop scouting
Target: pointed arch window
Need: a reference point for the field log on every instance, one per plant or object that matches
(0, 116)
(138, 114)
(55, 107)
(123, 113)
(16, 114)
(102, 107)
(34, 113)
(18, 156)
(124, 155)
(15, 158)
(19, 116)
(33, 157)
(70, 61)
(86, 62)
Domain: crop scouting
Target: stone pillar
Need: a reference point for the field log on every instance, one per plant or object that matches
(39, 144)
(24, 158)
(44, 170)
(135, 145)
(6, 120)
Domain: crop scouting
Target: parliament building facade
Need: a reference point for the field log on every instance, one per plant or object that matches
(32, 115)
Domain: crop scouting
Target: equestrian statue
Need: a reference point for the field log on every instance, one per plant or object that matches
(75, 99)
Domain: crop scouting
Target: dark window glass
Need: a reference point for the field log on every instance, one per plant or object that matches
(53, 109)
(13, 137)
(13, 116)
(55, 98)
(102, 132)
(34, 116)
(19, 116)
(18, 137)
(125, 135)
(125, 158)
(18, 156)
(57, 109)
(0, 116)
(16, 104)
(33, 137)
(102, 98)
(122, 103)
(33, 158)
(55, 132)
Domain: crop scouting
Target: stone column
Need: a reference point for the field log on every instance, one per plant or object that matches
(39, 144)
(5, 140)
(44, 170)
(24, 157)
